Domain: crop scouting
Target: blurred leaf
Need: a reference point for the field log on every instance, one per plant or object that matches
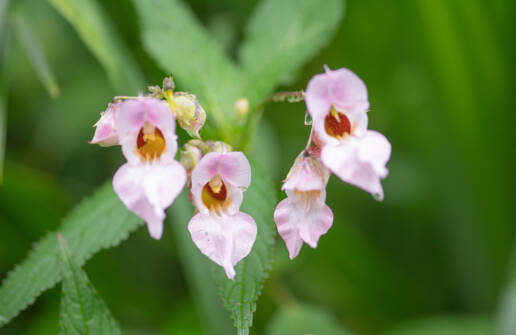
(303, 320)
(100, 36)
(82, 309)
(4, 5)
(507, 309)
(281, 36)
(182, 47)
(447, 325)
(99, 222)
(196, 266)
(35, 53)
(240, 295)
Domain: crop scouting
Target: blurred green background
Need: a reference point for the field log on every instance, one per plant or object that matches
(434, 256)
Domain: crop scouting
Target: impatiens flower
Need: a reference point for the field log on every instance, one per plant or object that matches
(190, 115)
(303, 216)
(105, 129)
(151, 179)
(337, 102)
(220, 230)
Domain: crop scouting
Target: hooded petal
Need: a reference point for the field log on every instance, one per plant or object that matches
(307, 174)
(147, 190)
(105, 129)
(224, 239)
(133, 115)
(234, 169)
(298, 223)
(347, 90)
(360, 161)
(317, 97)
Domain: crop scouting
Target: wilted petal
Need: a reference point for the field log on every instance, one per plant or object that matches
(190, 115)
(149, 189)
(360, 161)
(298, 222)
(225, 239)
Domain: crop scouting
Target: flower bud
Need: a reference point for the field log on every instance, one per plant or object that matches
(241, 108)
(192, 153)
(168, 84)
(219, 146)
(189, 113)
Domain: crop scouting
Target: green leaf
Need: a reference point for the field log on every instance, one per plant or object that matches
(447, 325)
(181, 46)
(99, 222)
(281, 36)
(202, 287)
(4, 5)
(304, 319)
(100, 36)
(507, 309)
(35, 52)
(240, 295)
(82, 309)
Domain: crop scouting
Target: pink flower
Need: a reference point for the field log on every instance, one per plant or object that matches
(337, 101)
(220, 230)
(303, 216)
(151, 179)
(105, 129)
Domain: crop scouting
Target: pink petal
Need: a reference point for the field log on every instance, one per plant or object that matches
(360, 161)
(298, 222)
(134, 113)
(347, 90)
(147, 190)
(224, 239)
(318, 100)
(105, 130)
(307, 174)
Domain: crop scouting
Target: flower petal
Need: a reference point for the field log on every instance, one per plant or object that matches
(317, 97)
(347, 90)
(298, 223)
(105, 129)
(360, 161)
(307, 174)
(148, 190)
(225, 239)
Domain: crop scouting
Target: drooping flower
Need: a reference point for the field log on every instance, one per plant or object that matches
(151, 179)
(303, 216)
(105, 128)
(337, 102)
(220, 230)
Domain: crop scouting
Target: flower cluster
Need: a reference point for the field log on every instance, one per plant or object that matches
(339, 143)
(151, 179)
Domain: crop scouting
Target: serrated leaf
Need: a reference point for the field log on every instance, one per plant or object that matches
(35, 53)
(281, 36)
(240, 295)
(181, 46)
(83, 312)
(99, 222)
(98, 33)
(304, 319)
(214, 318)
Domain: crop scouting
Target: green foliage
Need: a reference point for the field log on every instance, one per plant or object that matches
(447, 325)
(35, 53)
(182, 47)
(99, 222)
(241, 293)
(202, 286)
(4, 4)
(507, 308)
(83, 312)
(100, 36)
(304, 320)
(281, 36)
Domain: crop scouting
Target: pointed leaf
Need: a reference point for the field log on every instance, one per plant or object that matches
(240, 295)
(99, 222)
(82, 309)
(181, 46)
(35, 53)
(99, 35)
(281, 36)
